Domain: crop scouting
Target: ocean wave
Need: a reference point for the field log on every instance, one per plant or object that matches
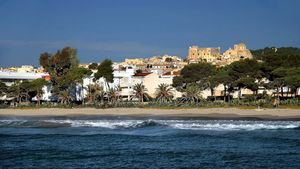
(112, 124)
(32, 124)
(233, 126)
(175, 124)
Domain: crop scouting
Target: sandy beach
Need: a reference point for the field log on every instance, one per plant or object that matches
(141, 112)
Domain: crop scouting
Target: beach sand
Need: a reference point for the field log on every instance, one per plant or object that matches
(227, 113)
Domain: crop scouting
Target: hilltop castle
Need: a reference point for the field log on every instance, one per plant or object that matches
(213, 55)
(203, 54)
(238, 52)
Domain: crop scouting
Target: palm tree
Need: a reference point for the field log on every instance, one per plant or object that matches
(164, 93)
(192, 93)
(119, 90)
(3, 89)
(64, 97)
(140, 91)
(78, 76)
(113, 94)
(38, 85)
(94, 90)
(15, 92)
(212, 83)
(26, 88)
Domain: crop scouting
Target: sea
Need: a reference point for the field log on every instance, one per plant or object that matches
(147, 142)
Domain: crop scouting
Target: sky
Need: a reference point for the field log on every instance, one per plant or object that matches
(118, 29)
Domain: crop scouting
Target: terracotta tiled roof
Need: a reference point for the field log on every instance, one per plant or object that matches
(142, 74)
(175, 73)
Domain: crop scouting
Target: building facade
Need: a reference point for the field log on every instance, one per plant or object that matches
(238, 52)
(196, 54)
(213, 55)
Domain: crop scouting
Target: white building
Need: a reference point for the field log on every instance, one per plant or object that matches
(126, 78)
(122, 79)
(9, 78)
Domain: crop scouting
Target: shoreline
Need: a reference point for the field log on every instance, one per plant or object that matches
(204, 113)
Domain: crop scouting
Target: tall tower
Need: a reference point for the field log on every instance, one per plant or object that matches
(193, 53)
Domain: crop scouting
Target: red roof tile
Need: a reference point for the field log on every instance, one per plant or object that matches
(142, 74)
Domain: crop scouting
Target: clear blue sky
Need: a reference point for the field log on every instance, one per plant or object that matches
(141, 28)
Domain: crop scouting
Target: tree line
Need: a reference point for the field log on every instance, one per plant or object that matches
(271, 69)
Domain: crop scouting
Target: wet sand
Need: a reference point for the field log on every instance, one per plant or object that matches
(218, 113)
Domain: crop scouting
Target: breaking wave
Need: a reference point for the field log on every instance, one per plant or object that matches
(173, 124)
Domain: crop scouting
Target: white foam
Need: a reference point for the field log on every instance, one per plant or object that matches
(176, 124)
(112, 124)
(236, 125)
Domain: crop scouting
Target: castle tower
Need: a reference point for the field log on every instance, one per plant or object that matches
(238, 52)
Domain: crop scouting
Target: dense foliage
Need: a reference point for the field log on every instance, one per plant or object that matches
(105, 70)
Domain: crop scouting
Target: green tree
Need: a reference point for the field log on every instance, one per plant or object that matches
(38, 85)
(93, 66)
(285, 77)
(192, 93)
(3, 89)
(279, 57)
(60, 67)
(64, 97)
(278, 79)
(140, 92)
(15, 92)
(105, 70)
(77, 76)
(223, 77)
(293, 82)
(247, 82)
(211, 84)
(243, 70)
(197, 72)
(200, 73)
(26, 88)
(179, 83)
(113, 94)
(95, 91)
(164, 93)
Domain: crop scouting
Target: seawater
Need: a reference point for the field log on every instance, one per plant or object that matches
(118, 142)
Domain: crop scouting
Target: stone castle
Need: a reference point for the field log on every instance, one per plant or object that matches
(214, 56)
(203, 54)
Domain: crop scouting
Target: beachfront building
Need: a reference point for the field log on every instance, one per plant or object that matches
(123, 81)
(11, 77)
(126, 77)
(152, 80)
